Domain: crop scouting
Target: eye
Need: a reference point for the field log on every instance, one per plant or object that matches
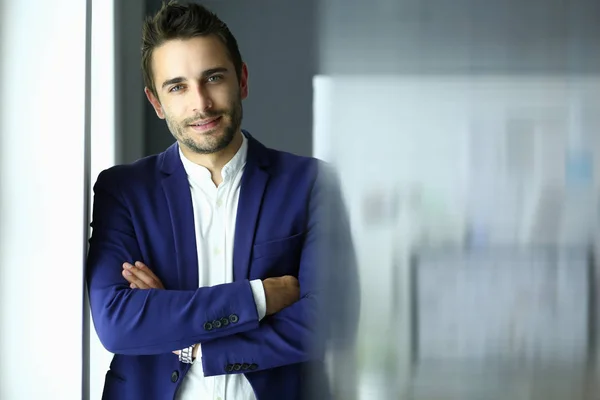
(176, 88)
(215, 78)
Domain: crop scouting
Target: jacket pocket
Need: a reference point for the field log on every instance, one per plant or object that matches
(288, 246)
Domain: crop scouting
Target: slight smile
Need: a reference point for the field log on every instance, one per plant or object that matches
(206, 125)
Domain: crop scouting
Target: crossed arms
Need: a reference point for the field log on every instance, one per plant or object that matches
(278, 292)
(154, 321)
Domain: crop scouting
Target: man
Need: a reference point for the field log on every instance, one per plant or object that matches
(209, 250)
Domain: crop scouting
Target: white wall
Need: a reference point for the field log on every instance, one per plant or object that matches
(42, 191)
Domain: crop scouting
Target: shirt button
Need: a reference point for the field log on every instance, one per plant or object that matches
(217, 251)
(219, 203)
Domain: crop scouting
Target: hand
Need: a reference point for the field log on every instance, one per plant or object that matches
(140, 276)
(281, 292)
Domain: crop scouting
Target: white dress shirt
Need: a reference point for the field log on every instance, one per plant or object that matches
(215, 210)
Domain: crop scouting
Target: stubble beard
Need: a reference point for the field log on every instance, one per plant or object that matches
(210, 142)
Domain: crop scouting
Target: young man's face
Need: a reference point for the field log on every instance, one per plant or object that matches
(198, 92)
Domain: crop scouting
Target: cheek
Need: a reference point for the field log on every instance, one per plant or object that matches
(223, 97)
(173, 113)
(173, 120)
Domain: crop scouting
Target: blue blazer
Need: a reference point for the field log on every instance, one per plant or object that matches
(143, 212)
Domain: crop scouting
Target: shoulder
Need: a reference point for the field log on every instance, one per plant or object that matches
(288, 163)
(142, 172)
(301, 171)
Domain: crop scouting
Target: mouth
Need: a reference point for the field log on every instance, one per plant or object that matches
(206, 124)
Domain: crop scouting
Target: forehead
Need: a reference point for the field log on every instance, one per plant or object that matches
(188, 57)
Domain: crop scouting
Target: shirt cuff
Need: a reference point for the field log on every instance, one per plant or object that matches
(258, 291)
(199, 354)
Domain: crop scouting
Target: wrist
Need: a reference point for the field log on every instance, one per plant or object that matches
(186, 355)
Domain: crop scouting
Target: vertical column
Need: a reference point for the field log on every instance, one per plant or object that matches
(43, 206)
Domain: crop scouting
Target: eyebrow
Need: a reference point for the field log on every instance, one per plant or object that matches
(212, 71)
(205, 74)
(173, 81)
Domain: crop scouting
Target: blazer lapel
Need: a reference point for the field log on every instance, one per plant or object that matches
(179, 201)
(254, 182)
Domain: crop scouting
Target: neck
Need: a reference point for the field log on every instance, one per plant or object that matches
(215, 162)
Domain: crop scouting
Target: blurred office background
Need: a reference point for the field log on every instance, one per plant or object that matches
(466, 136)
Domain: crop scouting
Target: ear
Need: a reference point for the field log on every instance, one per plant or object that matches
(155, 103)
(244, 81)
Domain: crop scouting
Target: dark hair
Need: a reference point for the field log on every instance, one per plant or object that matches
(183, 21)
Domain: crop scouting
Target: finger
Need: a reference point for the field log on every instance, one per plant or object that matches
(141, 278)
(176, 352)
(143, 267)
(141, 275)
(146, 276)
(134, 280)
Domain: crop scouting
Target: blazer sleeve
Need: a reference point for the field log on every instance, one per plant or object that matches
(144, 322)
(327, 312)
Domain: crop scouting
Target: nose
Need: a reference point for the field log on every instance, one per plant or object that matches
(202, 102)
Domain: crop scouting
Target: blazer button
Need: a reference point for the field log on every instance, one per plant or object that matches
(216, 324)
(237, 367)
(174, 376)
(208, 326)
(224, 321)
(253, 367)
(229, 368)
(245, 366)
(233, 318)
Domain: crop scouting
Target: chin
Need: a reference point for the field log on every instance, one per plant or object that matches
(212, 142)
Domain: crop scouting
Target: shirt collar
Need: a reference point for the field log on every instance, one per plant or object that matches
(201, 174)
